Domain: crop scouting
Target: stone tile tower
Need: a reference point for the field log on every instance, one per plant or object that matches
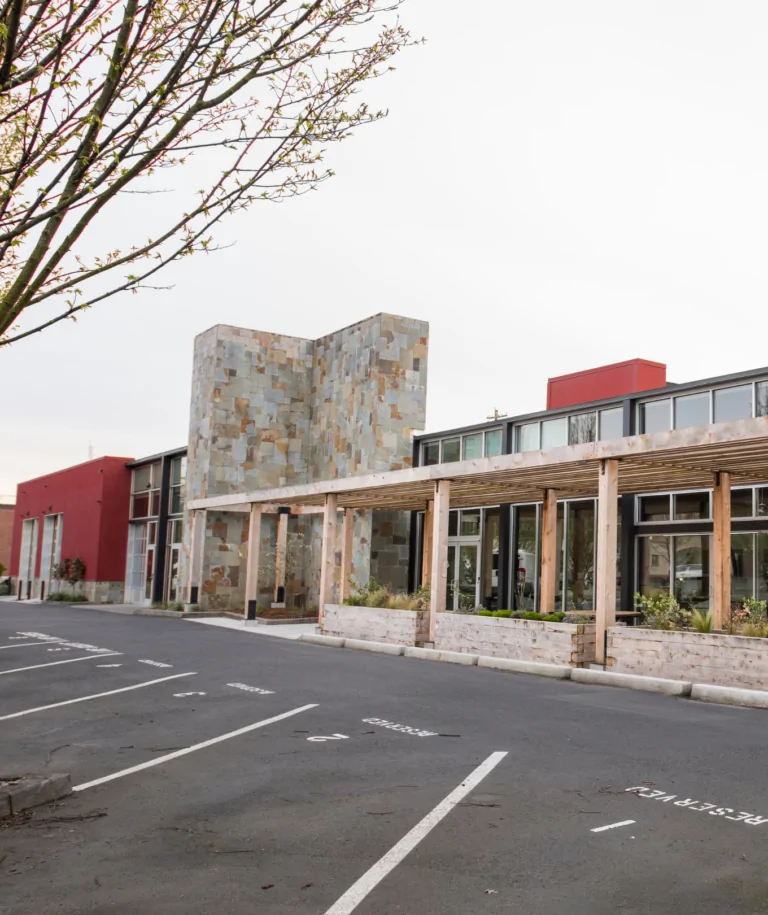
(269, 410)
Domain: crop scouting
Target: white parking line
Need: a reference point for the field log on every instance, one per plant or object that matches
(197, 746)
(613, 826)
(24, 645)
(89, 657)
(111, 692)
(358, 891)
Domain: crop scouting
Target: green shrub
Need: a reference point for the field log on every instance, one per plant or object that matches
(662, 611)
(485, 613)
(68, 598)
(554, 617)
(504, 614)
(375, 595)
(532, 615)
(578, 619)
(518, 615)
(702, 622)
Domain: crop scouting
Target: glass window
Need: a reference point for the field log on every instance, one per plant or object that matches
(142, 478)
(762, 501)
(453, 523)
(527, 551)
(761, 398)
(528, 437)
(733, 403)
(692, 571)
(741, 503)
(178, 471)
(470, 523)
(451, 450)
(582, 428)
(654, 416)
(489, 595)
(473, 446)
(761, 555)
(691, 506)
(653, 508)
(580, 556)
(612, 423)
(140, 505)
(430, 453)
(554, 432)
(177, 500)
(742, 567)
(493, 442)
(692, 410)
(653, 565)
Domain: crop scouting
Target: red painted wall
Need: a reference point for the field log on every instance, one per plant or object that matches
(94, 499)
(615, 380)
(6, 535)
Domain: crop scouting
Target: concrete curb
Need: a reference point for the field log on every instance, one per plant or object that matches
(458, 657)
(632, 681)
(423, 654)
(540, 668)
(380, 647)
(330, 641)
(730, 695)
(31, 791)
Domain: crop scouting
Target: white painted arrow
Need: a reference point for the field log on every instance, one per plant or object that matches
(335, 737)
(109, 665)
(183, 695)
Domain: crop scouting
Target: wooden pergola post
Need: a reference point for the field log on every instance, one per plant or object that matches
(607, 544)
(327, 555)
(252, 562)
(197, 541)
(281, 551)
(548, 552)
(439, 548)
(426, 549)
(721, 542)
(347, 552)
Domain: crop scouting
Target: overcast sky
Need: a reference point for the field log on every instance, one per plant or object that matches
(559, 185)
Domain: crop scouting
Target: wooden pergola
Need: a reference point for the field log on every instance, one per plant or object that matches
(698, 457)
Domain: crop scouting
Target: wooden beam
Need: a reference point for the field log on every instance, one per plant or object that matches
(281, 555)
(439, 574)
(426, 550)
(347, 551)
(197, 542)
(721, 544)
(327, 555)
(252, 563)
(549, 547)
(607, 545)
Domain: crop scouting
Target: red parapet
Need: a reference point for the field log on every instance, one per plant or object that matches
(617, 380)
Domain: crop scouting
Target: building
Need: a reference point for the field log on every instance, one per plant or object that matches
(665, 538)
(6, 535)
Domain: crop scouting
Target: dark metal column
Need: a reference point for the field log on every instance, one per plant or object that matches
(158, 582)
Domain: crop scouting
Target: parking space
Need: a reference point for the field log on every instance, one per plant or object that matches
(273, 776)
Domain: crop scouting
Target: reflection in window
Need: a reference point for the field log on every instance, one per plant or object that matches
(741, 503)
(580, 556)
(761, 398)
(761, 494)
(692, 410)
(554, 432)
(453, 523)
(430, 453)
(691, 506)
(611, 423)
(742, 567)
(653, 565)
(692, 571)
(451, 450)
(489, 596)
(470, 523)
(654, 416)
(654, 508)
(582, 428)
(528, 437)
(473, 446)
(733, 403)
(493, 443)
(526, 536)
(761, 554)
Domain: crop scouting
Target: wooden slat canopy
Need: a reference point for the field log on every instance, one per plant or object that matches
(677, 459)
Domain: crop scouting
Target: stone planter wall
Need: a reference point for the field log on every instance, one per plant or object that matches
(724, 660)
(376, 624)
(523, 640)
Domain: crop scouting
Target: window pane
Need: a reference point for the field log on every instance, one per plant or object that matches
(473, 446)
(761, 494)
(741, 503)
(580, 555)
(733, 403)
(653, 562)
(451, 591)
(177, 503)
(762, 566)
(691, 506)
(554, 432)
(467, 576)
(489, 593)
(692, 571)
(742, 567)
(692, 410)
(451, 450)
(140, 506)
(528, 437)
(493, 443)
(654, 508)
(525, 596)
(761, 398)
(582, 428)
(430, 453)
(611, 423)
(470, 523)
(155, 501)
(142, 478)
(654, 416)
(453, 523)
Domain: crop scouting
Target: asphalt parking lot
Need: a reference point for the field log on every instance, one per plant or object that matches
(231, 773)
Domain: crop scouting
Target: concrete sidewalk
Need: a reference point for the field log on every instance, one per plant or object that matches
(288, 631)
